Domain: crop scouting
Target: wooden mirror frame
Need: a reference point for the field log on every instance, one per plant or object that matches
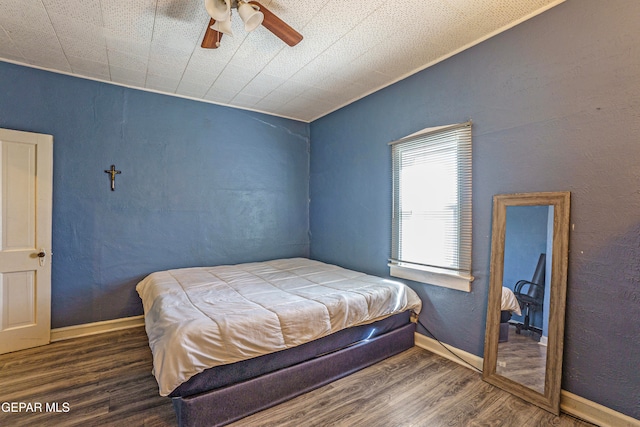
(550, 400)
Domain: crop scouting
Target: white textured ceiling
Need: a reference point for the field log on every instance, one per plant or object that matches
(350, 48)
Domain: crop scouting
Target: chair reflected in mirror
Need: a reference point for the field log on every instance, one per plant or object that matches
(530, 296)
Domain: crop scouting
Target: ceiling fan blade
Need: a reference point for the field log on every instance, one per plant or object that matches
(278, 27)
(211, 37)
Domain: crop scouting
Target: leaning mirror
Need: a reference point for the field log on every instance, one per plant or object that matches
(527, 293)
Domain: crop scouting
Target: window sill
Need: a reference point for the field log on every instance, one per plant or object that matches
(436, 278)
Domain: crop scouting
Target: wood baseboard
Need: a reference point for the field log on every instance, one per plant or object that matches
(434, 346)
(594, 412)
(86, 329)
(569, 403)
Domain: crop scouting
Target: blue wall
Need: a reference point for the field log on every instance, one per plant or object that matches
(201, 184)
(555, 107)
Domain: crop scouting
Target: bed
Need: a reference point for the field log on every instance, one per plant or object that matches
(509, 305)
(228, 341)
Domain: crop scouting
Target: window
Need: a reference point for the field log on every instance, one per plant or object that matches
(432, 207)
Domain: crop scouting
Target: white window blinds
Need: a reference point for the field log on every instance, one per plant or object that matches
(432, 201)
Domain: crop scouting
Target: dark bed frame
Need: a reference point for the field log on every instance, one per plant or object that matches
(505, 315)
(221, 395)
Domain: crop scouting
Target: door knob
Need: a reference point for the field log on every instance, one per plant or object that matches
(41, 256)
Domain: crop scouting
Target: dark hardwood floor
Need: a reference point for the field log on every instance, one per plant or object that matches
(105, 380)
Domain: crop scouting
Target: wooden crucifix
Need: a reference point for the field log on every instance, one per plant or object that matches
(113, 172)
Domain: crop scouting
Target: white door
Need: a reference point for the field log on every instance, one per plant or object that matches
(26, 165)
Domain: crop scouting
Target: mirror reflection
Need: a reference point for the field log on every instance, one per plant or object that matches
(524, 318)
(527, 294)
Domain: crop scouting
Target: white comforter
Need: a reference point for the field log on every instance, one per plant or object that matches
(197, 318)
(509, 301)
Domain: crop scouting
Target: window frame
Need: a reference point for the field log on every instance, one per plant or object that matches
(460, 276)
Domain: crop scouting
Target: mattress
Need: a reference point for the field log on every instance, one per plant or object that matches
(218, 377)
(199, 318)
(510, 302)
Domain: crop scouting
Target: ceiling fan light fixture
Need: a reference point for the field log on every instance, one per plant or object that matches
(223, 26)
(220, 10)
(250, 15)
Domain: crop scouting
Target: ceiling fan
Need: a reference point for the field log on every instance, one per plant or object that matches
(252, 14)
